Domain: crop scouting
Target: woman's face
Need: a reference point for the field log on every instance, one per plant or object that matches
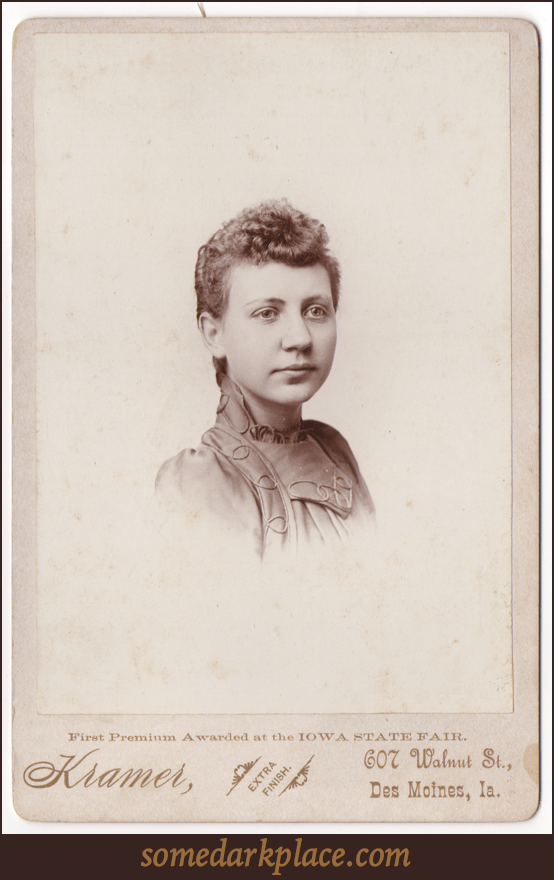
(279, 333)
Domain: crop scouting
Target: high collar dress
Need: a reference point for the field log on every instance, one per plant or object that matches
(275, 491)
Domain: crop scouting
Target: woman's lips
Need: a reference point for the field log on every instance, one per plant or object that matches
(295, 374)
(295, 368)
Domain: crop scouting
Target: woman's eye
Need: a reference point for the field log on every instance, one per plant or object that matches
(317, 311)
(265, 314)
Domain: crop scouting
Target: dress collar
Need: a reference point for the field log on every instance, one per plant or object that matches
(307, 472)
(235, 411)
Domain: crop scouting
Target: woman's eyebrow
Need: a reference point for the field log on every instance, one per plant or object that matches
(275, 301)
(317, 297)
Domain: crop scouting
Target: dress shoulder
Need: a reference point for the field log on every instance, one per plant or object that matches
(186, 470)
(201, 485)
(338, 449)
(334, 444)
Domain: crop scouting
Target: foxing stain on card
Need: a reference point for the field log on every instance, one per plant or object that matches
(531, 761)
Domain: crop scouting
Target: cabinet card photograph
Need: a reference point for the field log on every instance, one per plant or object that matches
(275, 419)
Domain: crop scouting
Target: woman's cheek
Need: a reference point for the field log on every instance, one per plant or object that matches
(331, 340)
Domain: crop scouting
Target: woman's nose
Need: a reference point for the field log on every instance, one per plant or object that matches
(296, 335)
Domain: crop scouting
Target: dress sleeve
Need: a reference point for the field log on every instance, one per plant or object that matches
(206, 492)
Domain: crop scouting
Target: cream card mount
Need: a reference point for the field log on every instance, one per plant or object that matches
(162, 671)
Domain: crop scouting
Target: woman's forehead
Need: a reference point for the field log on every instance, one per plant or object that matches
(274, 280)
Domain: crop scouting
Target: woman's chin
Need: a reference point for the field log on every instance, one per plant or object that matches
(285, 397)
(296, 397)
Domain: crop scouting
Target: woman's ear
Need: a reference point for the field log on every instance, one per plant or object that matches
(211, 330)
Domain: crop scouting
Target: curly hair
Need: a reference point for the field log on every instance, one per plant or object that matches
(271, 232)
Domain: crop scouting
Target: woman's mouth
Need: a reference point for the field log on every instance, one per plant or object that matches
(297, 373)
(296, 368)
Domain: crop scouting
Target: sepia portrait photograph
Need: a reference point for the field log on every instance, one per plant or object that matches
(272, 308)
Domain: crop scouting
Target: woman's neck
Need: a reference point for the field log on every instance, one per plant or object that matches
(282, 417)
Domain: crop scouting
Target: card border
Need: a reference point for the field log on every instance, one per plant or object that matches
(525, 318)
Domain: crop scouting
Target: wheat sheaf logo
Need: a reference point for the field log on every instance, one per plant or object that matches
(301, 777)
(240, 771)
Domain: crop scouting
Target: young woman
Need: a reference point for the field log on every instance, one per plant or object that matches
(267, 291)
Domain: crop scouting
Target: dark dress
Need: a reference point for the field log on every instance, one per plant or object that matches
(278, 491)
